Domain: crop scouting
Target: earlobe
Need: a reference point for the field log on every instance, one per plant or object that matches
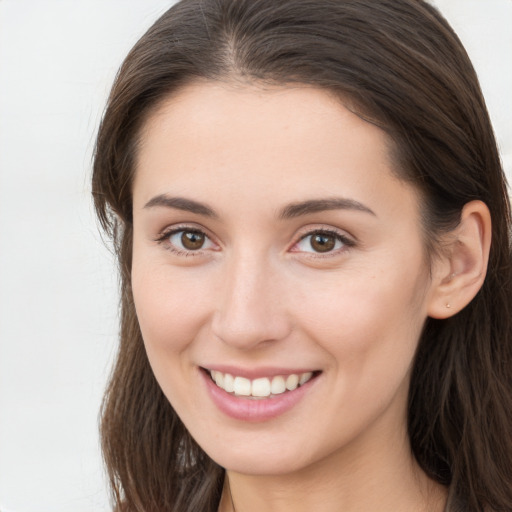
(462, 272)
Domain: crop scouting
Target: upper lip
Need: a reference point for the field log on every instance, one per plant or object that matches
(257, 372)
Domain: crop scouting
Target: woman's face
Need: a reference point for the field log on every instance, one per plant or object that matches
(274, 244)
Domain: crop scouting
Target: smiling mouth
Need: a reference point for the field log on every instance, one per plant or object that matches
(262, 387)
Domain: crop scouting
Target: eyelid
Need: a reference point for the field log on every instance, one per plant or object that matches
(347, 240)
(164, 236)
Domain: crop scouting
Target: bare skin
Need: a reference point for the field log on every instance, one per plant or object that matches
(385, 478)
(272, 237)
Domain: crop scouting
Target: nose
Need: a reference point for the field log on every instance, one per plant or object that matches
(251, 307)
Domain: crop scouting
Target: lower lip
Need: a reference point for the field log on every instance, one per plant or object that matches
(246, 409)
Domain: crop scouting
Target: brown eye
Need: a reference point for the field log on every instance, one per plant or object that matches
(192, 240)
(323, 242)
(187, 242)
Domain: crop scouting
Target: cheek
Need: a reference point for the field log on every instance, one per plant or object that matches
(170, 315)
(170, 307)
(370, 329)
(370, 323)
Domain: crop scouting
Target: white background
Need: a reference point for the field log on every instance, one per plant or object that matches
(58, 301)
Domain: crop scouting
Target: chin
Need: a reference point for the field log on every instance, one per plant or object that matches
(262, 463)
(264, 454)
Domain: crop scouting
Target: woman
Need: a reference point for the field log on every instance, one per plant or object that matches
(312, 226)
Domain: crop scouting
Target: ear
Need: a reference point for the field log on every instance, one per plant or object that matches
(460, 270)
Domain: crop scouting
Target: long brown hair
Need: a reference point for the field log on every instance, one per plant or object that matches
(404, 69)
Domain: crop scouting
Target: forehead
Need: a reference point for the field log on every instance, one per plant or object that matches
(259, 111)
(300, 140)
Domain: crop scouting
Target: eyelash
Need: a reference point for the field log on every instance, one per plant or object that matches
(164, 237)
(346, 242)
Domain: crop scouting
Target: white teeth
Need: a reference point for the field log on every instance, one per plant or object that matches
(242, 386)
(278, 385)
(292, 381)
(219, 379)
(229, 383)
(305, 377)
(261, 387)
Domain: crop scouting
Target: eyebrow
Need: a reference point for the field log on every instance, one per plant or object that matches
(180, 203)
(320, 205)
(288, 212)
